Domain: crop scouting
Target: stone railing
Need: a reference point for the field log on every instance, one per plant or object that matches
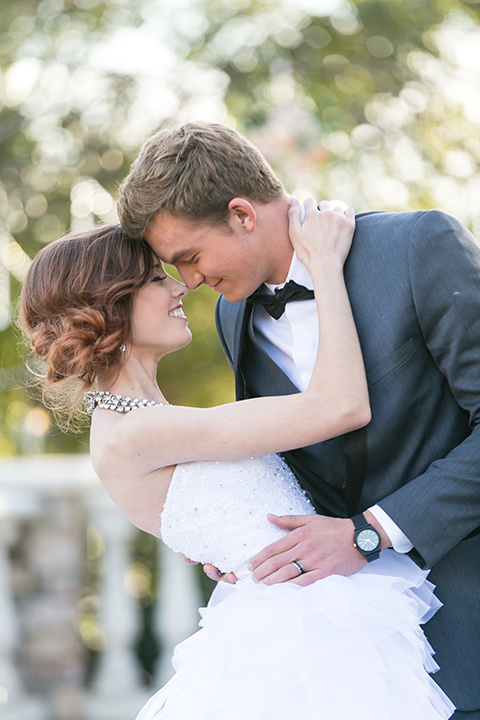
(48, 505)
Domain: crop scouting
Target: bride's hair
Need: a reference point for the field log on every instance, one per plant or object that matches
(75, 311)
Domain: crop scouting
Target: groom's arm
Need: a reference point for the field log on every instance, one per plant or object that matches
(226, 317)
(442, 506)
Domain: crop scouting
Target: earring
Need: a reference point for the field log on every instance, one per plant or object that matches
(122, 348)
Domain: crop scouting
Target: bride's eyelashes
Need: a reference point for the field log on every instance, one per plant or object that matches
(159, 278)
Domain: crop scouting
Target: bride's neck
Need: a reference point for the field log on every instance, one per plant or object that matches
(137, 379)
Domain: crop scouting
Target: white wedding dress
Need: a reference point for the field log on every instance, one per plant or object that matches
(343, 648)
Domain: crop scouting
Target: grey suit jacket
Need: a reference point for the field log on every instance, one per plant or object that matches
(414, 285)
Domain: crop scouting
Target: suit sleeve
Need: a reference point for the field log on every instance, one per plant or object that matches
(441, 507)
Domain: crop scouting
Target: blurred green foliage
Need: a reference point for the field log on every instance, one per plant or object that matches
(375, 102)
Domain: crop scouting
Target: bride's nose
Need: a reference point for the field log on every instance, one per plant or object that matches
(179, 289)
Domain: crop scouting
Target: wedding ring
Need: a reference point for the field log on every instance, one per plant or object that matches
(298, 565)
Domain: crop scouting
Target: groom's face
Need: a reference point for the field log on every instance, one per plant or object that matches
(230, 262)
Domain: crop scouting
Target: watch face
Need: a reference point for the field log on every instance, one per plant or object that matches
(368, 540)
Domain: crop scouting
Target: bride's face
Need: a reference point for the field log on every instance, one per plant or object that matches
(158, 322)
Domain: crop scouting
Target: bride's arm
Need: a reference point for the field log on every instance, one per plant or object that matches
(335, 402)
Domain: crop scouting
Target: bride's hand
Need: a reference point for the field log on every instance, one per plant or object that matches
(326, 232)
(214, 573)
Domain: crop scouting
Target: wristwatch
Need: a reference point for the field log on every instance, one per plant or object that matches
(365, 538)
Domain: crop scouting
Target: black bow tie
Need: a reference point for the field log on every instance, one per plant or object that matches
(275, 304)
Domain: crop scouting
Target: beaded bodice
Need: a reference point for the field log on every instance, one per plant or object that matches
(216, 511)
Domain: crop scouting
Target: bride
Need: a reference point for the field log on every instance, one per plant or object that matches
(101, 312)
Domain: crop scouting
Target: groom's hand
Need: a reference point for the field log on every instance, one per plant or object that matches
(323, 545)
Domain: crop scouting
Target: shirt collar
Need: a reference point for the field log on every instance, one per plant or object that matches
(298, 272)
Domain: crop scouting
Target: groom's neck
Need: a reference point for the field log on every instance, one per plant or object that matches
(273, 226)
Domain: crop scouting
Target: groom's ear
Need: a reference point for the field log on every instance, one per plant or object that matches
(242, 214)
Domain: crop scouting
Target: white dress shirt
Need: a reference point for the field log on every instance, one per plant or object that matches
(292, 343)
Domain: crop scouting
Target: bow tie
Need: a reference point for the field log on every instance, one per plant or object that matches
(275, 304)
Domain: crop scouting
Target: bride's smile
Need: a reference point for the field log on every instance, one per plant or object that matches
(159, 323)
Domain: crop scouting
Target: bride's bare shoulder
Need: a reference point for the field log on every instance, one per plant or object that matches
(116, 440)
(137, 489)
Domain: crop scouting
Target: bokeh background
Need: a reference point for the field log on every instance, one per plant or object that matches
(374, 102)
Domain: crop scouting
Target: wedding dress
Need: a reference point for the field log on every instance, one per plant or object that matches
(343, 648)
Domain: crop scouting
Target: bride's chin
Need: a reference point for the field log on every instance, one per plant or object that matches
(179, 344)
(188, 339)
(188, 336)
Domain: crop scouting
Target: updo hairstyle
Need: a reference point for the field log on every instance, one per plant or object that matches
(75, 309)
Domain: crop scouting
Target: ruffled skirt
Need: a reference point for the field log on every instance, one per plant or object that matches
(343, 648)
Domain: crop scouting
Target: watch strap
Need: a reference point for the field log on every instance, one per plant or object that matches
(360, 522)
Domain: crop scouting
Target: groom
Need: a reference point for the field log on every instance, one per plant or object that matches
(208, 203)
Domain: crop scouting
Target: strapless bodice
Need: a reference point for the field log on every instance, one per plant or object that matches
(216, 511)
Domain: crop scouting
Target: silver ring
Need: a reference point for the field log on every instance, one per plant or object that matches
(298, 565)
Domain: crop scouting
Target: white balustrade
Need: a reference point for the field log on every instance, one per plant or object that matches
(45, 504)
(116, 691)
(176, 614)
(15, 505)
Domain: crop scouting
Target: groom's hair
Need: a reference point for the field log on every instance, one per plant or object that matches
(192, 172)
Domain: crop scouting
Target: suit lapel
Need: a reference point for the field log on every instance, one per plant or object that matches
(263, 374)
(244, 312)
(257, 374)
(239, 342)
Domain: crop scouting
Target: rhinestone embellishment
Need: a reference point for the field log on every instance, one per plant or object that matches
(118, 403)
